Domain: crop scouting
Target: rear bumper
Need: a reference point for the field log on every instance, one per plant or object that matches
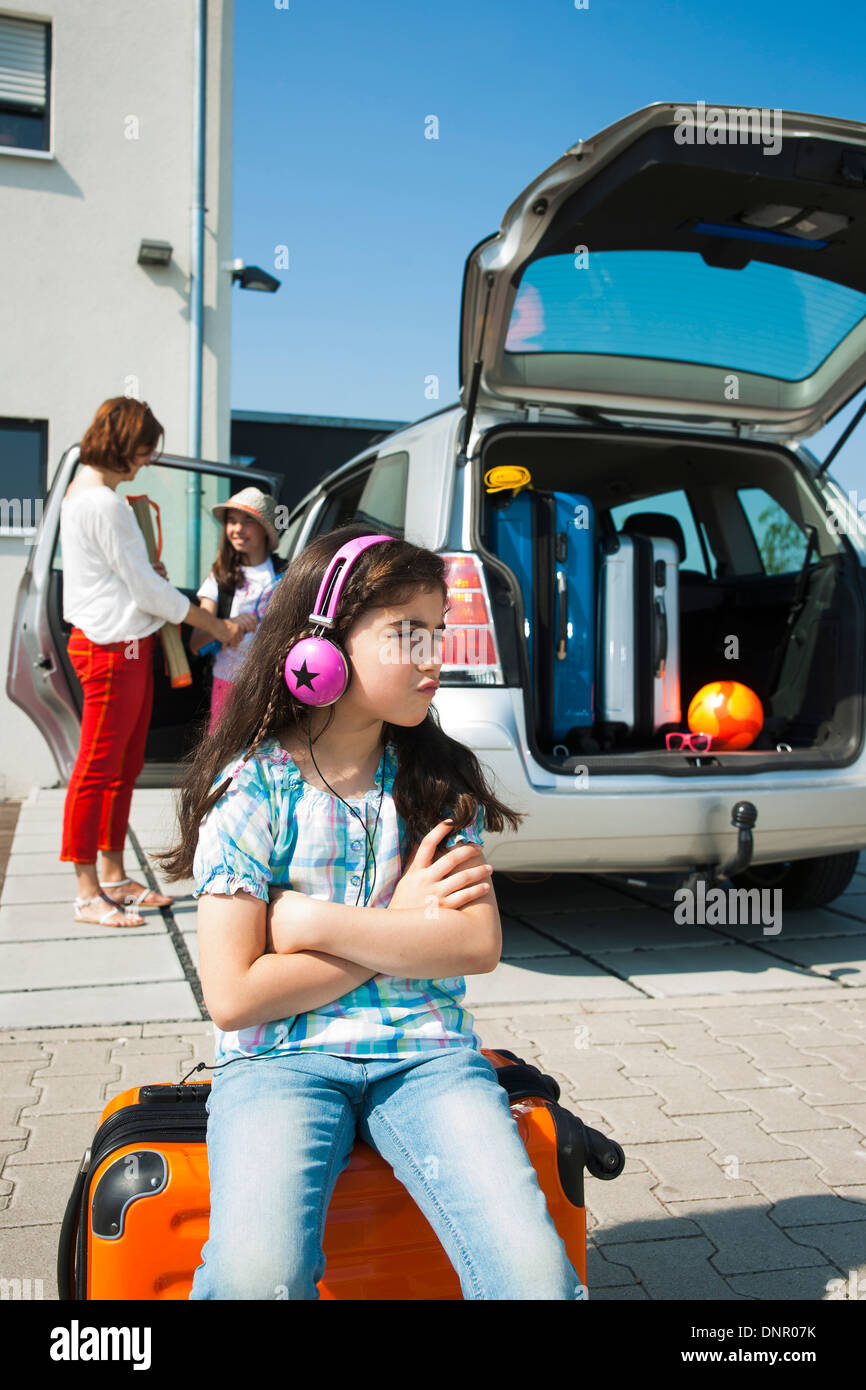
(595, 831)
(615, 823)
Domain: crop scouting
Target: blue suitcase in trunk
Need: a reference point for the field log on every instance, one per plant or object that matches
(548, 540)
(511, 536)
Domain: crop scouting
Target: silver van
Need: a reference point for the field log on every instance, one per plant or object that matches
(665, 314)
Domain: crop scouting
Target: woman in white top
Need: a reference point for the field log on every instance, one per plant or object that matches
(116, 601)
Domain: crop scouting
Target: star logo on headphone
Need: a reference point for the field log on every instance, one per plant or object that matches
(305, 677)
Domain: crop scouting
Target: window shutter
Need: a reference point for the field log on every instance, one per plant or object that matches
(23, 54)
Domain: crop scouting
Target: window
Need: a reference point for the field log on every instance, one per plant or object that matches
(287, 539)
(190, 532)
(341, 505)
(23, 458)
(188, 551)
(383, 501)
(25, 64)
(763, 318)
(675, 504)
(781, 543)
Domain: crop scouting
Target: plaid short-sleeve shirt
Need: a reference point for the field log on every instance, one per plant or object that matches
(272, 828)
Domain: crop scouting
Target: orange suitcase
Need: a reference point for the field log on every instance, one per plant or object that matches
(138, 1214)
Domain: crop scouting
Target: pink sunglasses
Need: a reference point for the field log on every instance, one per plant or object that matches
(698, 743)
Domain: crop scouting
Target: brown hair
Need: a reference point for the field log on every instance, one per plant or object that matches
(227, 565)
(120, 427)
(436, 774)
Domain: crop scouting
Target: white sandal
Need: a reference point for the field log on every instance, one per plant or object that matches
(130, 900)
(80, 903)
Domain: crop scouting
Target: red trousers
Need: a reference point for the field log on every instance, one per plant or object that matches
(117, 680)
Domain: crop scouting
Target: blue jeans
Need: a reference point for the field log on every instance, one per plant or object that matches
(281, 1130)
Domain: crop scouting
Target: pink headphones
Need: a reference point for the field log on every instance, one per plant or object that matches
(317, 669)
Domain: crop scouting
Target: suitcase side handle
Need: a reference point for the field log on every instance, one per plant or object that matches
(68, 1241)
(562, 594)
(660, 637)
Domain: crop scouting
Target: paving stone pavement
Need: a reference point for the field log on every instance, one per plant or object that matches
(739, 1182)
(731, 1067)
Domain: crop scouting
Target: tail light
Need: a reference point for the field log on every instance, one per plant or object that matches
(469, 655)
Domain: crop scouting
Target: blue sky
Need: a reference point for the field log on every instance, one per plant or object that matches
(330, 160)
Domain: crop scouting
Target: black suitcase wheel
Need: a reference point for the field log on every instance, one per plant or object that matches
(605, 1158)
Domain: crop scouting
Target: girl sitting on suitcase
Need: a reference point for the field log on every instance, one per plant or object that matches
(244, 570)
(334, 942)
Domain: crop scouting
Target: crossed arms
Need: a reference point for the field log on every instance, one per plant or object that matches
(260, 962)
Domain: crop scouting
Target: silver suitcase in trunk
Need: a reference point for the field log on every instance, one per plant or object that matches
(639, 633)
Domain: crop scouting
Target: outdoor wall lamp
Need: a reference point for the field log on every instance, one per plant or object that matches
(251, 277)
(154, 253)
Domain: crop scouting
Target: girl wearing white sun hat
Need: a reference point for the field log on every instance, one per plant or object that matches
(242, 576)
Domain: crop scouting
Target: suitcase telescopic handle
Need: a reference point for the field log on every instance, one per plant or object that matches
(562, 637)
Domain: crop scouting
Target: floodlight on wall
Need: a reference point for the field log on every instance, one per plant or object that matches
(154, 253)
(251, 277)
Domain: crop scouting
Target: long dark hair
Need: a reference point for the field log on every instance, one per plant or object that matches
(226, 567)
(434, 771)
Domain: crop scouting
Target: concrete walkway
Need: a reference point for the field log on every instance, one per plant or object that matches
(730, 1065)
(569, 940)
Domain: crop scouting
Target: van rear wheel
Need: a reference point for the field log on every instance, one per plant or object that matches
(804, 883)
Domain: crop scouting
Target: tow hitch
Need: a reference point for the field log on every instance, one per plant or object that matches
(743, 817)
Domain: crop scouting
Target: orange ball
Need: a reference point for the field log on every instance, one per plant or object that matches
(728, 710)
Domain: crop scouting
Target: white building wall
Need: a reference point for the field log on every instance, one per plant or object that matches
(80, 320)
